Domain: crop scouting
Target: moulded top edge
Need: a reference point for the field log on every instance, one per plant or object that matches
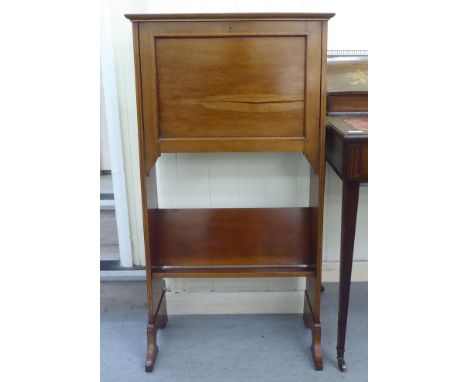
(229, 16)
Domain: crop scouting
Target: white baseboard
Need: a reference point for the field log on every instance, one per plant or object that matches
(124, 275)
(199, 296)
(235, 302)
(331, 272)
(219, 296)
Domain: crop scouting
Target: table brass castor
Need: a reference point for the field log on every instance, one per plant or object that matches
(341, 364)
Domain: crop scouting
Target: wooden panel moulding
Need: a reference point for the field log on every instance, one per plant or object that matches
(231, 86)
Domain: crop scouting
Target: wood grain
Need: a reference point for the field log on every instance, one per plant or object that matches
(350, 101)
(157, 320)
(219, 272)
(229, 16)
(232, 82)
(145, 158)
(231, 86)
(204, 144)
(347, 152)
(350, 200)
(230, 78)
(313, 85)
(231, 237)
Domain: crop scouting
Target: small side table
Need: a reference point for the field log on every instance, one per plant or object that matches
(347, 151)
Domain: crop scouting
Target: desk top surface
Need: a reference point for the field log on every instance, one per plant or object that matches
(231, 16)
(350, 124)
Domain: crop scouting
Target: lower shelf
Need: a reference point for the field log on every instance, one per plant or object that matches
(176, 272)
(235, 237)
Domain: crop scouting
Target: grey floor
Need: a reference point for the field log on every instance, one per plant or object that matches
(235, 347)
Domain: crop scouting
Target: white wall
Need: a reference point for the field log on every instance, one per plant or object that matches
(235, 180)
(104, 158)
(231, 180)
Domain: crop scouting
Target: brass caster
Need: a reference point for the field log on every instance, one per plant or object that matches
(341, 364)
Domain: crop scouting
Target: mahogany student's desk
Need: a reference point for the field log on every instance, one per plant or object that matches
(231, 83)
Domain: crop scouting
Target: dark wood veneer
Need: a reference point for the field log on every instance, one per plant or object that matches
(347, 153)
(229, 16)
(245, 271)
(347, 102)
(230, 237)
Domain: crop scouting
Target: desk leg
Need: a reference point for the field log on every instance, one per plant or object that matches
(312, 320)
(348, 229)
(157, 320)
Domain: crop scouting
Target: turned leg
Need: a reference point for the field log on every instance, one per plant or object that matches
(348, 230)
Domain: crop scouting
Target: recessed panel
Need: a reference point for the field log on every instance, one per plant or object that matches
(230, 86)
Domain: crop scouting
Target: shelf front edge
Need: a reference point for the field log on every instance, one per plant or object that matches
(220, 272)
(181, 145)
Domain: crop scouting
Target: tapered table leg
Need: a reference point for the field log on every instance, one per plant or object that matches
(348, 230)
